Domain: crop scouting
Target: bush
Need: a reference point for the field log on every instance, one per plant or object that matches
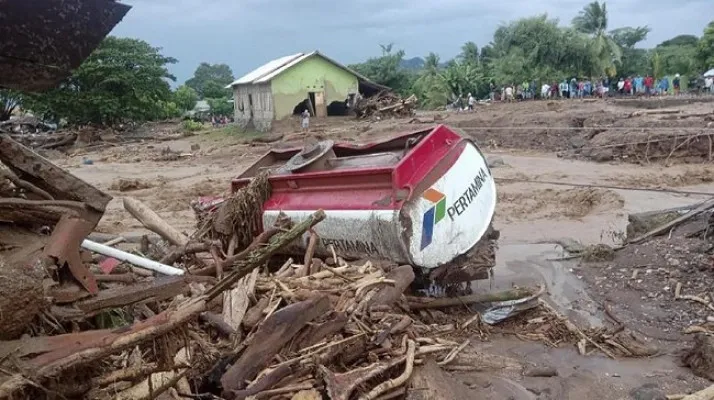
(192, 126)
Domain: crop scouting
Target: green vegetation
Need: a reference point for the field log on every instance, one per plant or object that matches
(128, 79)
(541, 49)
(210, 81)
(123, 80)
(192, 126)
(185, 97)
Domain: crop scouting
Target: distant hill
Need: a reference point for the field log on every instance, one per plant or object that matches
(413, 63)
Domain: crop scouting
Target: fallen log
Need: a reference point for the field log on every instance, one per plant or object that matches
(269, 338)
(420, 303)
(153, 222)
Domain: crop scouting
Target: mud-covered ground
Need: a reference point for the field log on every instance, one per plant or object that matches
(535, 219)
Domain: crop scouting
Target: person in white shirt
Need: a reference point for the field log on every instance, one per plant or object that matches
(305, 120)
(709, 83)
(621, 86)
(545, 91)
(509, 93)
(472, 102)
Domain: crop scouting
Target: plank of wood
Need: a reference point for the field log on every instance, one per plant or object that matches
(161, 289)
(274, 333)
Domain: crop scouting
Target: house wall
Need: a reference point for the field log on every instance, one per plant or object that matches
(313, 74)
(262, 110)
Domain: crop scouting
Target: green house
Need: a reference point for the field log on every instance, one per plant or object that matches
(289, 85)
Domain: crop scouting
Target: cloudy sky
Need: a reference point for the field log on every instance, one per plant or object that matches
(247, 33)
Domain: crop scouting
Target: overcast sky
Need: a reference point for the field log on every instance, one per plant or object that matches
(247, 33)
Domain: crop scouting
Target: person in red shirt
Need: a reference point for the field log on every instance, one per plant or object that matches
(628, 86)
(649, 84)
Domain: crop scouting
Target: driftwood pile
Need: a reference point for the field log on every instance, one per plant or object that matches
(385, 105)
(237, 321)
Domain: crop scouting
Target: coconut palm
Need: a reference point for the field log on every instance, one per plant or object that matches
(469, 53)
(592, 21)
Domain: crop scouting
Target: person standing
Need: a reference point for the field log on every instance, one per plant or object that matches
(676, 83)
(305, 120)
(663, 86)
(508, 92)
(627, 88)
(709, 84)
(621, 86)
(649, 82)
(472, 101)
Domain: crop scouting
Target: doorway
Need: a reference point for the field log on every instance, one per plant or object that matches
(318, 101)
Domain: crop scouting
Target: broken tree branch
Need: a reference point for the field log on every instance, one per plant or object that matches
(420, 303)
(665, 227)
(398, 381)
(261, 255)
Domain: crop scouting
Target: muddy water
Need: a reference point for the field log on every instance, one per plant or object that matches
(527, 256)
(528, 249)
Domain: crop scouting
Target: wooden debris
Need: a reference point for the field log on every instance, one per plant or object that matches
(385, 104)
(420, 303)
(153, 222)
(270, 337)
(671, 224)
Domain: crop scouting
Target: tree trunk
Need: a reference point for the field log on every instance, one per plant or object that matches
(22, 297)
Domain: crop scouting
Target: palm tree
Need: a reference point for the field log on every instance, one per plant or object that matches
(592, 21)
(469, 53)
(431, 83)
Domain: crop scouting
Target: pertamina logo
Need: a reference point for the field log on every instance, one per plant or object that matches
(433, 215)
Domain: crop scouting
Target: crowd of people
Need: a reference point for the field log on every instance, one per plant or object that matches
(575, 88)
(581, 88)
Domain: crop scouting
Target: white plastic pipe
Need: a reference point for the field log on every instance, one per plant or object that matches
(131, 258)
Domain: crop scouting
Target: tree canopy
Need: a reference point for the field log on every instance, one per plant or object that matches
(541, 49)
(123, 79)
(210, 80)
(185, 97)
